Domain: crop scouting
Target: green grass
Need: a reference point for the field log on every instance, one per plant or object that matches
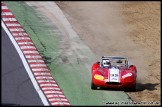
(73, 78)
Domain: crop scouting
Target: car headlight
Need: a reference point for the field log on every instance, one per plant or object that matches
(127, 75)
(98, 77)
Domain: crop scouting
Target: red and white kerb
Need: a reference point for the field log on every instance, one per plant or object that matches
(40, 70)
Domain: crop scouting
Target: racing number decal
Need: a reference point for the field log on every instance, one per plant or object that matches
(114, 75)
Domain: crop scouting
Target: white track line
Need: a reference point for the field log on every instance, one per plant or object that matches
(39, 68)
(35, 84)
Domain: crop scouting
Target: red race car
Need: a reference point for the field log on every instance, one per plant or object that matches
(114, 72)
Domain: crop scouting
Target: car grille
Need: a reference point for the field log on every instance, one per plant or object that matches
(113, 83)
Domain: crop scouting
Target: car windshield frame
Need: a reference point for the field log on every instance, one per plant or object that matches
(117, 61)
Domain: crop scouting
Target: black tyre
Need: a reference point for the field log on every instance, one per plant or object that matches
(93, 87)
(131, 89)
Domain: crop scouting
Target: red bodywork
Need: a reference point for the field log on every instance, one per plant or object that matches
(127, 77)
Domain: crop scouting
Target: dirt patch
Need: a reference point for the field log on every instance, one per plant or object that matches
(143, 19)
(130, 29)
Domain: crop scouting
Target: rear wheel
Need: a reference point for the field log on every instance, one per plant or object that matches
(93, 87)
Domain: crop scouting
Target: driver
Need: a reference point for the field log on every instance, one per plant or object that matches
(107, 64)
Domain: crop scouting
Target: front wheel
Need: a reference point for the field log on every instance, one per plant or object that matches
(132, 89)
(93, 87)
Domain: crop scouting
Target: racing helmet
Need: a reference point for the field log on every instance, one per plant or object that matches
(107, 63)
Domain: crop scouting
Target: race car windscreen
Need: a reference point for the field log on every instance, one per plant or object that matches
(118, 63)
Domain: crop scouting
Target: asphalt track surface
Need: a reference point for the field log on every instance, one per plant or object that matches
(17, 87)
